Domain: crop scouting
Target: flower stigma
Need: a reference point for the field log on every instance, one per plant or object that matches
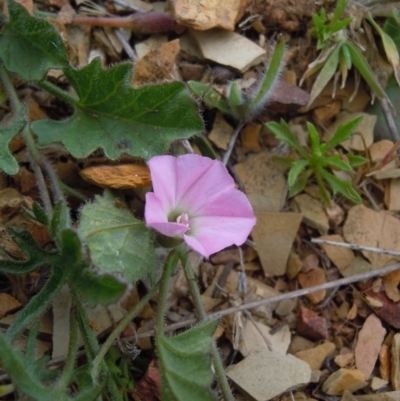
(183, 219)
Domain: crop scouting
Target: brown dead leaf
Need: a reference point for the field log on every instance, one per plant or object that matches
(221, 132)
(158, 65)
(274, 234)
(124, 176)
(366, 227)
(264, 182)
(340, 257)
(370, 339)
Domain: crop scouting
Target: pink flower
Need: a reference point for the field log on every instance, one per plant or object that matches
(195, 199)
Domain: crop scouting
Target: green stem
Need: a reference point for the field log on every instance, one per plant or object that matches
(73, 192)
(170, 264)
(34, 154)
(202, 315)
(57, 92)
(9, 89)
(55, 181)
(96, 363)
(90, 341)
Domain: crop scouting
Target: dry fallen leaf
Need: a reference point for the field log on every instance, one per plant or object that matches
(124, 176)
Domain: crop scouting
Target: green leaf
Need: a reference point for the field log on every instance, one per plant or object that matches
(37, 257)
(365, 70)
(355, 160)
(7, 161)
(343, 187)
(210, 96)
(112, 115)
(270, 77)
(336, 162)
(314, 138)
(205, 146)
(13, 362)
(339, 10)
(118, 242)
(343, 133)
(297, 167)
(283, 133)
(98, 289)
(325, 75)
(30, 46)
(59, 220)
(185, 363)
(39, 214)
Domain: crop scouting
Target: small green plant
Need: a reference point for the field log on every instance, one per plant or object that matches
(344, 44)
(318, 159)
(242, 106)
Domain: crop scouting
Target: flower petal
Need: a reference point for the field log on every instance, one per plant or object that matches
(199, 181)
(170, 229)
(226, 221)
(154, 211)
(163, 177)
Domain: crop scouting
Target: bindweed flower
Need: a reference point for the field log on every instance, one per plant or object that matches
(195, 199)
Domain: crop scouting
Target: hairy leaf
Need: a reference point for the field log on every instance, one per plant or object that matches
(112, 115)
(118, 242)
(37, 257)
(185, 362)
(98, 289)
(210, 96)
(30, 46)
(7, 161)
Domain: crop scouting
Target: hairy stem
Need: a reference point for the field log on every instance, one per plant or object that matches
(57, 92)
(9, 89)
(202, 315)
(96, 363)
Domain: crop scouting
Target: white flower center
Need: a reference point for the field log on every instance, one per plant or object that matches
(183, 219)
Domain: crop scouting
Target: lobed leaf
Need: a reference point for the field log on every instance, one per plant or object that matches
(118, 242)
(117, 118)
(336, 162)
(185, 363)
(7, 161)
(297, 168)
(30, 46)
(343, 187)
(283, 132)
(343, 133)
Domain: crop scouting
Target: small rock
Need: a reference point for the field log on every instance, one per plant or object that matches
(264, 375)
(377, 383)
(370, 339)
(299, 344)
(344, 379)
(384, 362)
(315, 356)
(311, 325)
(344, 359)
(312, 278)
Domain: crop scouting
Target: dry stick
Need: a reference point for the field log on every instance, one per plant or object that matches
(277, 298)
(231, 144)
(125, 44)
(355, 247)
(251, 305)
(389, 120)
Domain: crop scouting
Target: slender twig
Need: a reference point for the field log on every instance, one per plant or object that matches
(202, 315)
(125, 44)
(389, 119)
(355, 247)
(96, 363)
(231, 143)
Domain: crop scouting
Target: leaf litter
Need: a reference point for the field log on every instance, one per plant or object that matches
(353, 326)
